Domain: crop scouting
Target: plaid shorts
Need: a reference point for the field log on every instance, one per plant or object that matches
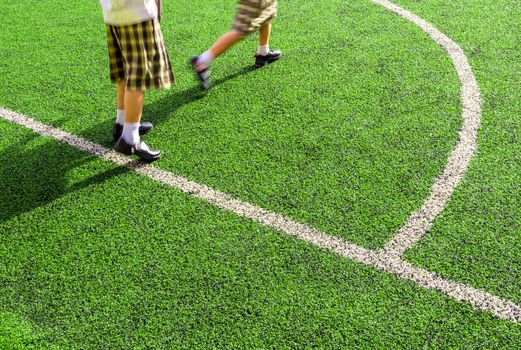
(138, 56)
(253, 14)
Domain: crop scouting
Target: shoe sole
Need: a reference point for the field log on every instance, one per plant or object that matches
(124, 148)
(259, 65)
(143, 159)
(150, 160)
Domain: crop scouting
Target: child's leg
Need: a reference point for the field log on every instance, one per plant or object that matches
(224, 43)
(141, 44)
(264, 34)
(264, 55)
(130, 143)
(120, 94)
(120, 98)
(117, 129)
(133, 101)
(264, 39)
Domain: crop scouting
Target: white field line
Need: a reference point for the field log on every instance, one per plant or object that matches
(389, 259)
(479, 299)
(420, 222)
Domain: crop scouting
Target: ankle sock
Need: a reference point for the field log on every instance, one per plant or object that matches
(131, 133)
(263, 50)
(120, 116)
(204, 60)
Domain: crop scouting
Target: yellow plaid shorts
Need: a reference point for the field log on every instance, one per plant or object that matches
(253, 14)
(138, 56)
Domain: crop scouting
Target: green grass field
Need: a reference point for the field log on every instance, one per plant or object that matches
(346, 133)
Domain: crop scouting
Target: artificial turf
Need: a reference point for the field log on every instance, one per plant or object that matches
(477, 240)
(345, 133)
(87, 267)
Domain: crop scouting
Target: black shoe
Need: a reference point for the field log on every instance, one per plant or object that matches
(117, 130)
(203, 76)
(139, 149)
(262, 60)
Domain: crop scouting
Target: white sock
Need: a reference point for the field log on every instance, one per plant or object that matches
(131, 133)
(204, 60)
(120, 116)
(263, 50)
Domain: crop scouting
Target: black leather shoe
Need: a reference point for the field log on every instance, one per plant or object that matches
(262, 60)
(139, 149)
(117, 130)
(203, 76)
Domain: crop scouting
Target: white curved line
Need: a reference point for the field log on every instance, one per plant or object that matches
(420, 222)
(389, 259)
(479, 299)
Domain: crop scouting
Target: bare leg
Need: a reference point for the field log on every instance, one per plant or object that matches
(264, 34)
(130, 142)
(120, 94)
(203, 61)
(133, 106)
(225, 42)
(264, 55)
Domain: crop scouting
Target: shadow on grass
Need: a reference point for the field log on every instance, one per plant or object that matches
(245, 70)
(158, 111)
(33, 176)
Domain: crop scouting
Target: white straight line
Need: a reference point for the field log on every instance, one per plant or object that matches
(420, 222)
(389, 259)
(479, 299)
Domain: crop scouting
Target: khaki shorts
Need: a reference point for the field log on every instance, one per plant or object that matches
(253, 14)
(138, 56)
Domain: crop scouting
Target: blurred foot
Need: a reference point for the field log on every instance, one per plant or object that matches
(202, 74)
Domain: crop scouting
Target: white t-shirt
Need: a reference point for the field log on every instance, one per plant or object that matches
(126, 12)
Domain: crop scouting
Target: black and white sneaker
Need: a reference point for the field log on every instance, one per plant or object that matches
(117, 130)
(262, 60)
(139, 149)
(202, 75)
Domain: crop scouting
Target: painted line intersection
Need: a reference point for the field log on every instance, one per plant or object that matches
(389, 259)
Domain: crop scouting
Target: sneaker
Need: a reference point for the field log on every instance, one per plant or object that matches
(139, 149)
(203, 75)
(262, 60)
(117, 130)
